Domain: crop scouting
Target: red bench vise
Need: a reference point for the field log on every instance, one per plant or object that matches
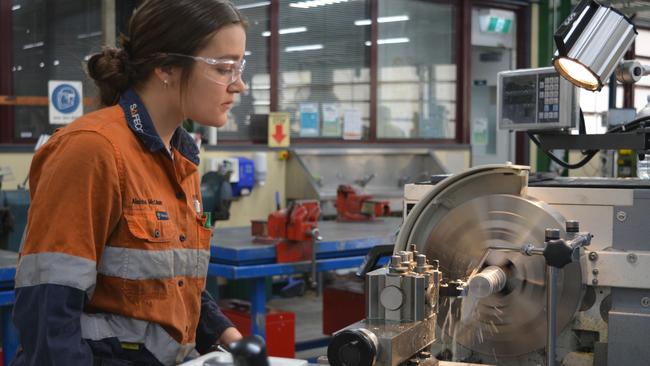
(352, 205)
(293, 230)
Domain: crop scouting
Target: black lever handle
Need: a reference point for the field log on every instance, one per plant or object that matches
(249, 351)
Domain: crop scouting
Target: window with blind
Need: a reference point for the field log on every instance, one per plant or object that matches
(324, 68)
(243, 125)
(51, 41)
(323, 73)
(416, 96)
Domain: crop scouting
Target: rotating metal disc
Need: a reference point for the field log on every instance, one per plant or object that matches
(511, 322)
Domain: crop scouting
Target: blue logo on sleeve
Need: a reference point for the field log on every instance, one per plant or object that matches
(65, 98)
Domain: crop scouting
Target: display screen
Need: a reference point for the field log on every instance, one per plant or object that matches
(536, 99)
(519, 99)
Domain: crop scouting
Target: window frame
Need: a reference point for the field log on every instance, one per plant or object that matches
(8, 100)
(463, 72)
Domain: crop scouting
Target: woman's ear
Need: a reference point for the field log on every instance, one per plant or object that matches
(165, 74)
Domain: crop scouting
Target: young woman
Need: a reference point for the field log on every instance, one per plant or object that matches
(112, 269)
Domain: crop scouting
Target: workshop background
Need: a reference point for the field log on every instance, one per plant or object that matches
(378, 94)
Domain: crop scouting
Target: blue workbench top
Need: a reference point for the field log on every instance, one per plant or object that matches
(235, 246)
(274, 269)
(8, 262)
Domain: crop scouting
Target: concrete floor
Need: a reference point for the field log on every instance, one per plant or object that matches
(309, 320)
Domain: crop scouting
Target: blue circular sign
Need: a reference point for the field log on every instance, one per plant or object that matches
(65, 98)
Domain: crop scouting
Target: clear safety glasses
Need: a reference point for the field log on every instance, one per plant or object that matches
(221, 71)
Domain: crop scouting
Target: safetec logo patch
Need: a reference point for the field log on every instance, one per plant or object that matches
(137, 122)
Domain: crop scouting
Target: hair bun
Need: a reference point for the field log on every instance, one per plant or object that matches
(112, 73)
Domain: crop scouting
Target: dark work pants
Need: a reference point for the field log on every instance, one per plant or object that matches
(110, 352)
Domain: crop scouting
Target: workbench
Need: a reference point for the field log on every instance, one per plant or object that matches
(235, 256)
(344, 245)
(8, 261)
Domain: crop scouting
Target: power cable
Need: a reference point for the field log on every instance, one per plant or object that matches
(589, 154)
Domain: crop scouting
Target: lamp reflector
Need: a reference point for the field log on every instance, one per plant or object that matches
(577, 73)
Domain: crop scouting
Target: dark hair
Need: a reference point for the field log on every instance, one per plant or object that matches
(158, 27)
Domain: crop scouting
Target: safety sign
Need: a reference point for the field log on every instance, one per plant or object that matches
(278, 129)
(65, 101)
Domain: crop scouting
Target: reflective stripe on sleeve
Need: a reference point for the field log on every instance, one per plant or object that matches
(157, 341)
(138, 264)
(56, 269)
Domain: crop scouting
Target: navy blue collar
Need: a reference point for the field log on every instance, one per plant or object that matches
(141, 124)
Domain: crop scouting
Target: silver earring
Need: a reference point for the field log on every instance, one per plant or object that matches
(166, 82)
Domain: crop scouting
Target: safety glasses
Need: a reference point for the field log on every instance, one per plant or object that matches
(221, 71)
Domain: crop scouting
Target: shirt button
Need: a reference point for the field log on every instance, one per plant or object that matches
(156, 233)
(180, 195)
(182, 237)
(180, 283)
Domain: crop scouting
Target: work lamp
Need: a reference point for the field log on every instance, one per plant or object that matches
(590, 43)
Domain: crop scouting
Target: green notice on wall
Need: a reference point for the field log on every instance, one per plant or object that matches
(499, 25)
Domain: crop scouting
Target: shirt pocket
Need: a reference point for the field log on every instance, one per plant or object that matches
(204, 233)
(146, 224)
(144, 277)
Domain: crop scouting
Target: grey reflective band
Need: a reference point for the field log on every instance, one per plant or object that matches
(155, 339)
(138, 264)
(56, 269)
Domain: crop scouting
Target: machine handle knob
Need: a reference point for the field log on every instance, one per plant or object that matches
(558, 253)
(249, 351)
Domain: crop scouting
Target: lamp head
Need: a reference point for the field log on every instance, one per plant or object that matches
(590, 43)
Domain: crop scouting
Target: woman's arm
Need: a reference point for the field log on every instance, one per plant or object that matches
(75, 205)
(214, 327)
(47, 317)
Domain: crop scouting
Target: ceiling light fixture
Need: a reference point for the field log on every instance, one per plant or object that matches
(315, 3)
(396, 18)
(253, 5)
(391, 19)
(293, 30)
(309, 47)
(286, 31)
(33, 45)
(390, 41)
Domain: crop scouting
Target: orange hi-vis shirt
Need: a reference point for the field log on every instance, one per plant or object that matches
(116, 214)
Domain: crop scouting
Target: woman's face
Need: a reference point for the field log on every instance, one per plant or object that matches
(212, 87)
